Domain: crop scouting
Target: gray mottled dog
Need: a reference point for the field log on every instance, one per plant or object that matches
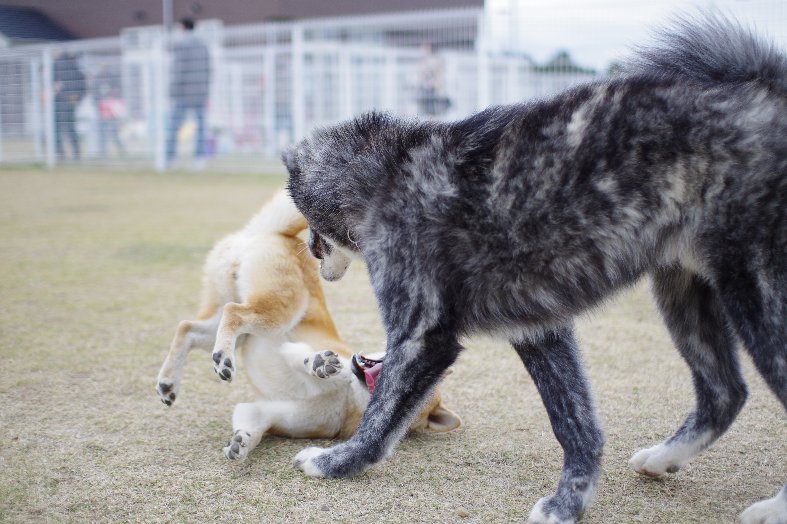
(518, 218)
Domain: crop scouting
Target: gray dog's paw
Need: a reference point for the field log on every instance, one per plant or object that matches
(167, 391)
(223, 366)
(324, 364)
(238, 446)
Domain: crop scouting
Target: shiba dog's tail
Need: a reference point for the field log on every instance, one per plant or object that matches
(279, 215)
(711, 48)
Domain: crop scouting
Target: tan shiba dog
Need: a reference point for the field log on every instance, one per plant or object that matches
(262, 295)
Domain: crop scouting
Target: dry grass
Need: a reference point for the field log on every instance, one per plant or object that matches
(97, 268)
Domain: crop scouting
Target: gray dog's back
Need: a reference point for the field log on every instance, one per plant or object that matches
(539, 210)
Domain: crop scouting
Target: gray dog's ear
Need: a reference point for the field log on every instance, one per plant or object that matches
(290, 158)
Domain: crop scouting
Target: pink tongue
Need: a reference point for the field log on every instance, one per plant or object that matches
(371, 376)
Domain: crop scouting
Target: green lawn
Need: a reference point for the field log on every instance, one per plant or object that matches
(97, 268)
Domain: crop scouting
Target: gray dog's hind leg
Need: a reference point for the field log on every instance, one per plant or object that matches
(556, 367)
(757, 307)
(693, 313)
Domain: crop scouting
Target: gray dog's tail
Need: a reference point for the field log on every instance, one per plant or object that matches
(711, 48)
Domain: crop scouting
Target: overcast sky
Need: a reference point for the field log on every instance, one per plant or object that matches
(597, 32)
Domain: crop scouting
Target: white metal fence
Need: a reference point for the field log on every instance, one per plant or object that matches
(115, 101)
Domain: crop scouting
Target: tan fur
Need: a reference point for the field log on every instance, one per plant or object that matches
(262, 295)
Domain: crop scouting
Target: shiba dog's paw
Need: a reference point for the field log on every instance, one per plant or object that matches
(324, 364)
(238, 446)
(167, 390)
(223, 366)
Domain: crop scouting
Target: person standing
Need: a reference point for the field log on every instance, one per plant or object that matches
(432, 100)
(70, 87)
(111, 110)
(189, 88)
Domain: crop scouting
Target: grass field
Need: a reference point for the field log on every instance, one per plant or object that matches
(96, 269)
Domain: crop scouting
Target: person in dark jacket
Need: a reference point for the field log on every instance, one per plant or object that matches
(69, 87)
(189, 88)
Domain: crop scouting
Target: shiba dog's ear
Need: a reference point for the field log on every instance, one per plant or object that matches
(442, 420)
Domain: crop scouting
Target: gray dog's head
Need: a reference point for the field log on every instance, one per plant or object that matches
(334, 175)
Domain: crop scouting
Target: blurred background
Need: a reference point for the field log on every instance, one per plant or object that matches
(134, 84)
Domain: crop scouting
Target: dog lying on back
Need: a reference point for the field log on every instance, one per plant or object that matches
(261, 296)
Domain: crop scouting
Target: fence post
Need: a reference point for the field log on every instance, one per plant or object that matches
(390, 81)
(298, 116)
(49, 108)
(512, 80)
(37, 99)
(160, 101)
(1, 136)
(269, 97)
(482, 61)
(345, 84)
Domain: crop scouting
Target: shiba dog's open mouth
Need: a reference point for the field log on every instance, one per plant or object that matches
(367, 370)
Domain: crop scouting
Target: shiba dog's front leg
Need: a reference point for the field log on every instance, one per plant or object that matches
(321, 364)
(324, 364)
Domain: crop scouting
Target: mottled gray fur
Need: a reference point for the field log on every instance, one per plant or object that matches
(518, 218)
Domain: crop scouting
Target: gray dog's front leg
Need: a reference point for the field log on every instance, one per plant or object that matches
(554, 362)
(410, 371)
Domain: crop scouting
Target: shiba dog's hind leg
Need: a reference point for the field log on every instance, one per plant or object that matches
(190, 334)
(696, 320)
(273, 312)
